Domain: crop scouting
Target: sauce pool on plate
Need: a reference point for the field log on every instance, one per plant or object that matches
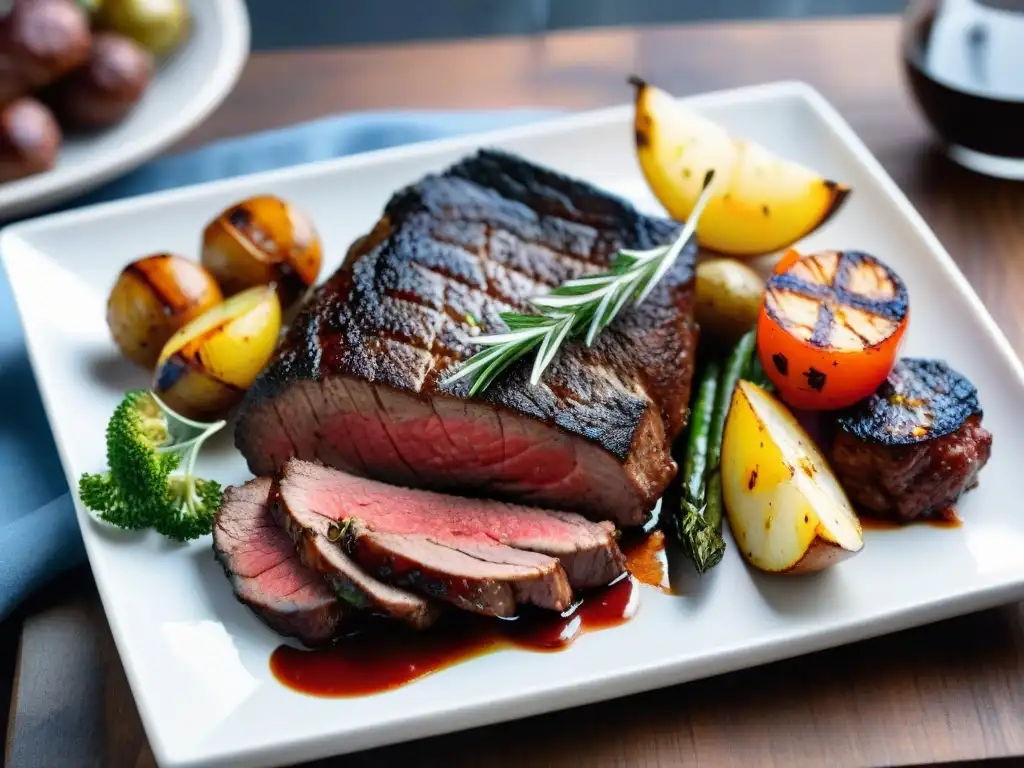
(381, 658)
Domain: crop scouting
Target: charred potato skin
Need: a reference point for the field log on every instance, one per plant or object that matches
(920, 400)
(261, 241)
(205, 368)
(154, 297)
(30, 139)
(728, 299)
(104, 91)
(40, 42)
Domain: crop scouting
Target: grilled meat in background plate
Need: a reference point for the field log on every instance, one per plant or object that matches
(915, 446)
(357, 383)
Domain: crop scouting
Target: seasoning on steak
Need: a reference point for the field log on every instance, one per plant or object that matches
(428, 531)
(357, 383)
(915, 446)
(260, 561)
(352, 584)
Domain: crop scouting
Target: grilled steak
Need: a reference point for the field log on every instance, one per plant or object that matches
(353, 585)
(555, 549)
(915, 446)
(260, 560)
(358, 382)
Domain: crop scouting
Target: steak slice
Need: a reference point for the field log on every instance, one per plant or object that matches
(481, 555)
(265, 573)
(358, 381)
(352, 584)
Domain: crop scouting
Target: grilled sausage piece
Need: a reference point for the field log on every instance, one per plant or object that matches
(29, 139)
(105, 90)
(40, 42)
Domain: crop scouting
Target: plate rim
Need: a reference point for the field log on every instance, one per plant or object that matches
(626, 681)
(61, 184)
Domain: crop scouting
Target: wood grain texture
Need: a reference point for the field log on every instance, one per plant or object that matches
(947, 692)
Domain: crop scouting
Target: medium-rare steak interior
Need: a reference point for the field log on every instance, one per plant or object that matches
(478, 554)
(265, 573)
(357, 383)
(317, 549)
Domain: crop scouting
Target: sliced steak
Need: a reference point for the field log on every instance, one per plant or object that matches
(433, 542)
(587, 551)
(265, 572)
(352, 584)
(358, 381)
(914, 447)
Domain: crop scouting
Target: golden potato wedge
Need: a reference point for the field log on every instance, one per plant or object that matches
(761, 202)
(205, 368)
(785, 508)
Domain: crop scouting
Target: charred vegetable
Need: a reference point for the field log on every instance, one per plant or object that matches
(915, 445)
(146, 445)
(830, 328)
(205, 368)
(154, 297)
(701, 541)
(260, 241)
(786, 509)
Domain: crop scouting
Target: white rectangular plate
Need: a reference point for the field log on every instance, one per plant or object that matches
(198, 661)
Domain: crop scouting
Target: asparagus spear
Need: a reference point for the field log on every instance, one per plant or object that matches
(700, 541)
(736, 367)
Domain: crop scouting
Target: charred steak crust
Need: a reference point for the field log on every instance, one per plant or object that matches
(914, 447)
(450, 253)
(920, 400)
(265, 573)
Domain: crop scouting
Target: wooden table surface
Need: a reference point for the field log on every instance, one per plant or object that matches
(947, 692)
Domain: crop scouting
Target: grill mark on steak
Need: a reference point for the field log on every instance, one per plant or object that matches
(395, 315)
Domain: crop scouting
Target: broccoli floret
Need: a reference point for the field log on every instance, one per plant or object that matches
(146, 444)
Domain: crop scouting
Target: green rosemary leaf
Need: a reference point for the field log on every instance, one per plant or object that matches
(581, 306)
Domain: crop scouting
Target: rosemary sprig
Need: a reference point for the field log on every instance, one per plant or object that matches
(584, 306)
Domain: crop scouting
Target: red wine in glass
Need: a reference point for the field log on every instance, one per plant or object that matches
(964, 61)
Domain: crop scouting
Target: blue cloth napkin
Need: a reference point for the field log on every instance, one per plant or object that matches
(39, 536)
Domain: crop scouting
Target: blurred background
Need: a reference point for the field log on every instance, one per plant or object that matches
(306, 23)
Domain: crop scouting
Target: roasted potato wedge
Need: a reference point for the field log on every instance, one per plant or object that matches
(205, 368)
(761, 202)
(785, 508)
(154, 297)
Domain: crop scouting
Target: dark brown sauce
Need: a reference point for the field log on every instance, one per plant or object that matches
(384, 657)
(948, 518)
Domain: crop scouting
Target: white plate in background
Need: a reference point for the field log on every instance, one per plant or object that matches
(197, 660)
(185, 90)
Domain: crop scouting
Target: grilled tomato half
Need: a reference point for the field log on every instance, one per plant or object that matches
(830, 328)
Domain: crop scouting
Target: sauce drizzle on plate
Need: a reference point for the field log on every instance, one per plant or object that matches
(383, 657)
